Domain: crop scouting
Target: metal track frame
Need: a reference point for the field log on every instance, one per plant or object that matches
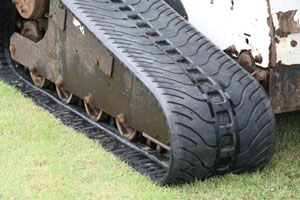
(73, 116)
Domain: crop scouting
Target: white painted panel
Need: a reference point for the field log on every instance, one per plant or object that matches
(225, 24)
(286, 54)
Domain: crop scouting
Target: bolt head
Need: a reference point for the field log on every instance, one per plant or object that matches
(59, 83)
(33, 68)
(88, 99)
(232, 49)
(294, 43)
(121, 118)
(258, 59)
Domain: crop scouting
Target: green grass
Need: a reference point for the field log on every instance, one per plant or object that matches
(42, 159)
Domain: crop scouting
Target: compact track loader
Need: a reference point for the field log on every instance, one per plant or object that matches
(194, 80)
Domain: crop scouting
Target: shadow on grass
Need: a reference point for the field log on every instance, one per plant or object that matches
(288, 130)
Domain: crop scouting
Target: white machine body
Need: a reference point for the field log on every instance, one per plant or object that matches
(267, 27)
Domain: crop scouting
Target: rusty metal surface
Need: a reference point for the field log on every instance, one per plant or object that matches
(76, 61)
(97, 54)
(91, 70)
(285, 88)
(60, 17)
(287, 23)
(248, 62)
(251, 64)
(23, 49)
(284, 81)
(272, 46)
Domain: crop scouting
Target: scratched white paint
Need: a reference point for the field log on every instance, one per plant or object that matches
(286, 54)
(226, 26)
(79, 26)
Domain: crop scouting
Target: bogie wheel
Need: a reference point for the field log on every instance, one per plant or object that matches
(66, 96)
(124, 130)
(39, 81)
(94, 113)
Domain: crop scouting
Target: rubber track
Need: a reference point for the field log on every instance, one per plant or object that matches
(220, 119)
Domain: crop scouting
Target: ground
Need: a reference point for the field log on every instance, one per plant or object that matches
(40, 158)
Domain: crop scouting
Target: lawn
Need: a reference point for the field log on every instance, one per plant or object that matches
(40, 158)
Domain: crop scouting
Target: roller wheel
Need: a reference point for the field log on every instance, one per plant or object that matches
(127, 132)
(39, 81)
(94, 113)
(66, 96)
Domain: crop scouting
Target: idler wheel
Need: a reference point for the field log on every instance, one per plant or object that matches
(66, 96)
(93, 112)
(124, 129)
(32, 9)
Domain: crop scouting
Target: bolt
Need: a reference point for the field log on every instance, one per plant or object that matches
(88, 99)
(32, 68)
(294, 43)
(121, 118)
(232, 49)
(261, 76)
(246, 61)
(12, 49)
(258, 59)
(59, 83)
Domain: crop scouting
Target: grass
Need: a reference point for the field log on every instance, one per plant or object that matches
(42, 159)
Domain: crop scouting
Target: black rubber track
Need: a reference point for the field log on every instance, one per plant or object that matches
(219, 117)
